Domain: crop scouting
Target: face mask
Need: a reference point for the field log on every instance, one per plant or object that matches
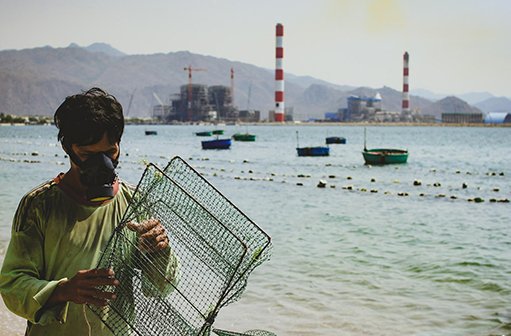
(97, 173)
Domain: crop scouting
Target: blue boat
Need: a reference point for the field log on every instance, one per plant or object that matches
(216, 144)
(335, 140)
(313, 151)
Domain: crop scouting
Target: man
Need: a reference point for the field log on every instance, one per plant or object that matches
(61, 227)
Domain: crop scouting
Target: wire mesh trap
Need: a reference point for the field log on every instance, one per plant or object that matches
(179, 290)
(254, 332)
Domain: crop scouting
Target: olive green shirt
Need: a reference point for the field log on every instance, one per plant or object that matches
(52, 238)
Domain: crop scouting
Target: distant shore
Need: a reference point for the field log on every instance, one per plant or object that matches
(304, 123)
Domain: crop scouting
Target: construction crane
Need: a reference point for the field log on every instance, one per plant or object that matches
(157, 99)
(232, 86)
(189, 98)
(131, 101)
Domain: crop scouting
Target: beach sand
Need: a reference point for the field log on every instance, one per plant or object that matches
(10, 324)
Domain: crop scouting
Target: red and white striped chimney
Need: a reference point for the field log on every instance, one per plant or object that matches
(406, 97)
(279, 74)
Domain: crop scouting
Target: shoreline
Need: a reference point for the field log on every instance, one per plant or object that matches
(305, 123)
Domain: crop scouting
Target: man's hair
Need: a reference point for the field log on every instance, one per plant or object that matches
(84, 118)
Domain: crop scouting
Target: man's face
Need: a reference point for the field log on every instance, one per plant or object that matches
(102, 146)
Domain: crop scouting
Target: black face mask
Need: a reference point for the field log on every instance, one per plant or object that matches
(97, 173)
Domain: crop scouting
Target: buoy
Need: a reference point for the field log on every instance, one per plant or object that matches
(331, 176)
(321, 184)
(478, 200)
(496, 189)
(374, 190)
(373, 180)
(417, 182)
(437, 184)
(464, 185)
(348, 178)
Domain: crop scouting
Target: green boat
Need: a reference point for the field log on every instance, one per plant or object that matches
(218, 132)
(382, 156)
(244, 137)
(205, 133)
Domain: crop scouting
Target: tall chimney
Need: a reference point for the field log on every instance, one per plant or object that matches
(279, 74)
(406, 97)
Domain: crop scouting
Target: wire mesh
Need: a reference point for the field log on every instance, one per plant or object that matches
(254, 332)
(256, 240)
(179, 290)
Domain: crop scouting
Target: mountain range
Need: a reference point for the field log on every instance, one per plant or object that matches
(35, 82)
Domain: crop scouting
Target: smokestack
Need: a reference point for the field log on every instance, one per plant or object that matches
(279, 74)
(406, 97)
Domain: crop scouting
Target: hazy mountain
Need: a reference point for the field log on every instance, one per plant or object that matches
(495, 104)
(306, 81)
(427, 94)
(102, 48)
(471, 97)
(35, 81)
(475, 97)
(449, 104)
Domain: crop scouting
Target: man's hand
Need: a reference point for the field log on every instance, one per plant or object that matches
(81, 288)
(152, 235)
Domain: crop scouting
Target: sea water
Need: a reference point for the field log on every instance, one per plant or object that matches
(422, 248)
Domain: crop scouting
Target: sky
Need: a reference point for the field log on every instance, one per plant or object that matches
(455, 46)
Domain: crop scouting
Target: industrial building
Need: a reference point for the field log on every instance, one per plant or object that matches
(462, 118)
(361, 108)
(198, 102)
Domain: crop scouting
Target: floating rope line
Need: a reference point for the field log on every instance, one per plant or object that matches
(180, 290)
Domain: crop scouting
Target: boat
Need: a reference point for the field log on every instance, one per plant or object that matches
(150, 132)
(335, 140)
(313, 151)
(218, 132)
(244, 137)
(204, 133)
(216, 144)
(383, 156)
